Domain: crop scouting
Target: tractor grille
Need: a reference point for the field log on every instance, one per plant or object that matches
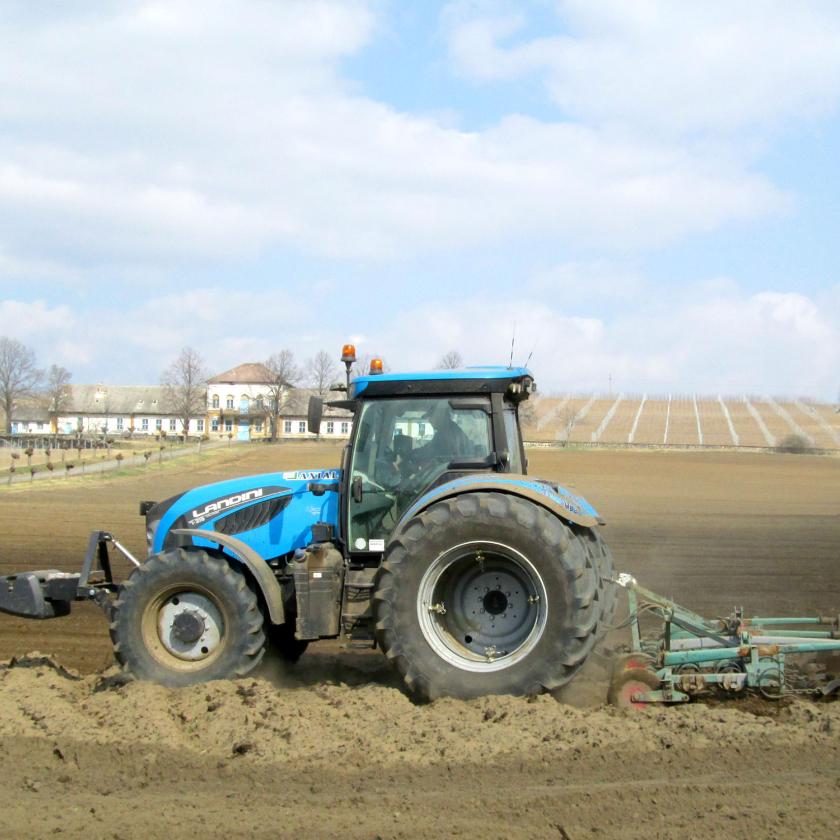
(251, 517)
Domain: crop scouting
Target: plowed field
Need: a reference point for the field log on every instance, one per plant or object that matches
(334, 747)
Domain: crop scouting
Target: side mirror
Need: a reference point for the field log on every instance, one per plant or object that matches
(314, 415)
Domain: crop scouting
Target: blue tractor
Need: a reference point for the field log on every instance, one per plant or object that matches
(430, 541)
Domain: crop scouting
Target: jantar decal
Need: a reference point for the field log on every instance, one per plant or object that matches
(313, 475)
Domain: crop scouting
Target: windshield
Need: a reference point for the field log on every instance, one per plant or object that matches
(402, 446)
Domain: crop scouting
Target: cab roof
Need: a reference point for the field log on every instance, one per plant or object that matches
(471, 380)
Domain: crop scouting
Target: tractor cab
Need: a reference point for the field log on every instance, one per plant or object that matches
(413, 432)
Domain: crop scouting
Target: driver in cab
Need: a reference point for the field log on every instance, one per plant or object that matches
(449, 443)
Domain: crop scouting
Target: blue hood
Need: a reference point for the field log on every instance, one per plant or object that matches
(273, 513)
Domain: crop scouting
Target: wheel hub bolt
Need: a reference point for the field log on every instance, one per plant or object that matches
(188, 627)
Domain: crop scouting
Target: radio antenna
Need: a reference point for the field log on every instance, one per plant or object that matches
(530, 354)
(512, 343)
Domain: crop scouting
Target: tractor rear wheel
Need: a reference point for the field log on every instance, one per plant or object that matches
(601, 559)
(487, 593)
(185, 617)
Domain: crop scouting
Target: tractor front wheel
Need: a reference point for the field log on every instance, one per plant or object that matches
(185, 617)
(487, 593)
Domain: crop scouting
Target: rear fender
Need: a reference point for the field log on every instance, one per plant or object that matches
(261, 571)
(561, 502)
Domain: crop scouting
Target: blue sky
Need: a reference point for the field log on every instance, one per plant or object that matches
(647, 191)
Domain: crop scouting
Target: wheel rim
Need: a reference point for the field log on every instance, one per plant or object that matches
(482, 606)
(770, 682)
(184, 627)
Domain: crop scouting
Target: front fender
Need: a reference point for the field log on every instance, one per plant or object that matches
(249, 558)
(560, 501)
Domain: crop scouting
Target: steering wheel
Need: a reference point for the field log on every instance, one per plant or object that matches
(388, 474)
(423, 472)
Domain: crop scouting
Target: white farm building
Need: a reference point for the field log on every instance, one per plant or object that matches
(239, 402)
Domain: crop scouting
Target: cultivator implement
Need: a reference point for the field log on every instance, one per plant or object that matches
(50, 593)
(677, 655)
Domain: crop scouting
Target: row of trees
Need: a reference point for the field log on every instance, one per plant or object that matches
(21, 378)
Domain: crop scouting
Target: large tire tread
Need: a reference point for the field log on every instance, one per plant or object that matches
(578, 560)
(246, 645)
(600, 558)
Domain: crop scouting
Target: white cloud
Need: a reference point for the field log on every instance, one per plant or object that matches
(23, 269)
(657, 65)
(23, 319)
(146, 133)
(709, 337)
(592, 284)
(131, 343)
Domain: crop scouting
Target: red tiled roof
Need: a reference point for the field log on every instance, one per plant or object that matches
(250, 373)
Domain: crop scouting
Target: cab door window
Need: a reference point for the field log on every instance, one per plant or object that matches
(402, 447)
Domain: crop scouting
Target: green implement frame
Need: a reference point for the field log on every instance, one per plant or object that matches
(690, 654)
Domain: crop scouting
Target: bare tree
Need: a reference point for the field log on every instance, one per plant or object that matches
(185, 383)
(450, 360)
(283, 373)
(527, 415)
(568, 417)
(105, 408)
(18, 375)
(56, 392)
(321, 372)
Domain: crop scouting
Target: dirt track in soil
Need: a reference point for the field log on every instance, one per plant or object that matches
(336, 746)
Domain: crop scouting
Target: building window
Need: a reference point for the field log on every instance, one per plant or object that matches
(345, 428)
(228, 425)
(171, 425)
(158, 424)
(258, 403)
(330, 427)
(214, 424)
(215, 403)
(421, 429)
(287, 427)
(119, 424)
(244, 404)
(144, 424)
(302, 427)
(258, 427)
(199, 425)
(229, 401)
